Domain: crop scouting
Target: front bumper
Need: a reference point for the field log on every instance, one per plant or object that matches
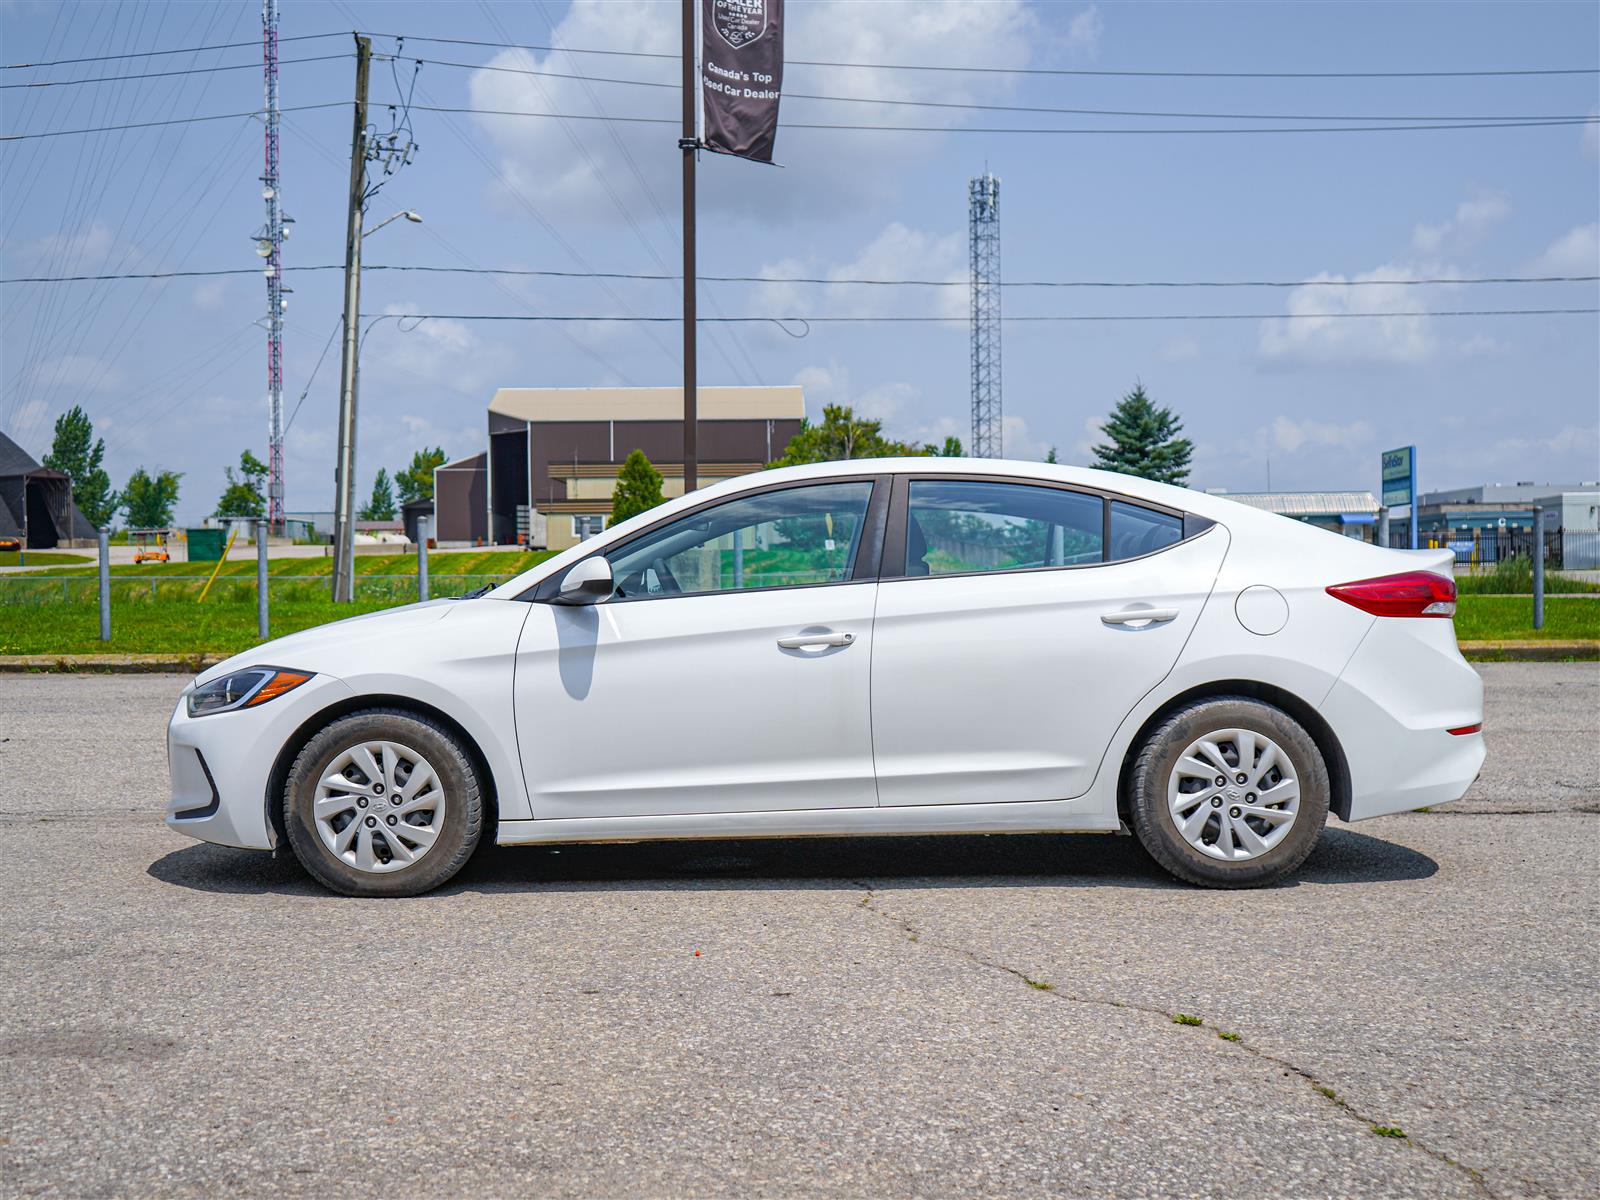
(220, 764)
(1392, 709)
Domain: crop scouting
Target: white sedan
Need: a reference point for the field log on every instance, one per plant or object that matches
(898, 646)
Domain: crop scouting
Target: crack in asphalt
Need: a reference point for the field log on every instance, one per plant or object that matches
(869, 903)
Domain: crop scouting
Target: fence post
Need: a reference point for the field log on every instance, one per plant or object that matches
(1383, 526)
(423, 524)
(105, 585)
(1538, 566)
(261, 576)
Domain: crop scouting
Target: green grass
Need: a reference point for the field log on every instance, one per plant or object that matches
(1230, 1037)
(1392, 1131)
(41, 558)
(1515, 576)
(1494, 618)
(1186, 1019)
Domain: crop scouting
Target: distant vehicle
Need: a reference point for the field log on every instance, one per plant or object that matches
(150, 545)
(10, 545)
(901, 646)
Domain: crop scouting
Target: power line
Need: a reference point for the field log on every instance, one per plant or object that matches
(878, 66)
(255, 112)
(1054, 318)
(287, 62)
(1025, 108)
(62, 62)
(648, 277)
(1395, 128)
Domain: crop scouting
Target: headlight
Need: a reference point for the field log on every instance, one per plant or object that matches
(244, 689)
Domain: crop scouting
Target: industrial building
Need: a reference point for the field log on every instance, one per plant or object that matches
(1353, 514)
(553, 454)
(36, 505)
(1490, 521)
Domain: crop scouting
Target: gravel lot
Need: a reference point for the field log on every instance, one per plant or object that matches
(887, 1017)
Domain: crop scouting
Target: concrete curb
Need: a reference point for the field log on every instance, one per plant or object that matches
(1529, 650)
(109, 664)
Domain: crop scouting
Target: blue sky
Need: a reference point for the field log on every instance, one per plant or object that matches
(173, 371)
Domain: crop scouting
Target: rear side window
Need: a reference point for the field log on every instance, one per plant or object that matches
(1136, 530)
(959, 527)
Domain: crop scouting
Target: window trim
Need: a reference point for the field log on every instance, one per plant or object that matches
(869, 551)
(894, 545)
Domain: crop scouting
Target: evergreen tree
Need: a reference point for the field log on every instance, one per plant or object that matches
(1050, 455)
(148, 500)
(638, 488)
(78, 453)
(380, 506)
(416, 481)
(1143, 440)
(243, 496)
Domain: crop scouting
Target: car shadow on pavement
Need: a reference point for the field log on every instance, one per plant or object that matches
(1006, 860)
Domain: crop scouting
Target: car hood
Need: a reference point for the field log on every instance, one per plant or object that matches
(306, 650)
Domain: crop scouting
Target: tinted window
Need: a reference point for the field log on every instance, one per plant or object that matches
(1136, 531)
(957, 526)
(803, 535)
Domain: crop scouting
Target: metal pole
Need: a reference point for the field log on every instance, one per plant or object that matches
(422, 556)
(1415, 498)
(261, 576)
(1538, 566)
(689, 143)
(1383, 527)
(344, 499)
(105, 585)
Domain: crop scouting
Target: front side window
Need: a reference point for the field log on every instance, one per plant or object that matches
(789, 538)
(959, 526)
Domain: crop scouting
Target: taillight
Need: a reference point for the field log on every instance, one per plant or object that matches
(1411, 594)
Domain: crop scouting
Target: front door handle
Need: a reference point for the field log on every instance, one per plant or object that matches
(802, 641)
(1128, 615)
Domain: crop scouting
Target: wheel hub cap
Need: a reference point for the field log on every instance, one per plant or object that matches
(1234, 794)
(372, 780)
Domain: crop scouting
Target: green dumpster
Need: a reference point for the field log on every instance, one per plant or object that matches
(205, 545)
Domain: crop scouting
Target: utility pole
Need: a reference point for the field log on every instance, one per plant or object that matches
(270, 246)
(689, 143)
(344, 500)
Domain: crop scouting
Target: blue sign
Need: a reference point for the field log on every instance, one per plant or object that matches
(1399, 477)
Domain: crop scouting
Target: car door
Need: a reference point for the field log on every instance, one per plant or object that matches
(1009, 641)
(729, 672)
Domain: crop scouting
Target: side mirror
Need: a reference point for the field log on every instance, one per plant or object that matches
(589, 582)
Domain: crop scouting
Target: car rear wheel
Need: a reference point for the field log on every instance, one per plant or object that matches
(383, 803)
(1229, 792)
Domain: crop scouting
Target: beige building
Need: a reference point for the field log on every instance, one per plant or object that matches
(554, 453)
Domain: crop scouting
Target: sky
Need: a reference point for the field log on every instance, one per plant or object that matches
(173, 371)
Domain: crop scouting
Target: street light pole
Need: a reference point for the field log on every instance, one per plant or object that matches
(689, 144)
(344, 498)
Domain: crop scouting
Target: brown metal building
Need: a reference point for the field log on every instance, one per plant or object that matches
(547, 477)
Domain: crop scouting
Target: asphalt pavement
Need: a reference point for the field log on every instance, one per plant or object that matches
(1414, 1014)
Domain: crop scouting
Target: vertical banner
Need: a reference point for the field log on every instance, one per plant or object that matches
(741, 75)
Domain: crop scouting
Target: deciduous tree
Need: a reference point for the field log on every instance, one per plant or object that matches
(78, 453)
(638, 488)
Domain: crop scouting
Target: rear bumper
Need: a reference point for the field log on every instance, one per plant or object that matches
(1403, 690)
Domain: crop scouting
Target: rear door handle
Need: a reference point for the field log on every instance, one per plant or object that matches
(802, 641)
(1128, 615)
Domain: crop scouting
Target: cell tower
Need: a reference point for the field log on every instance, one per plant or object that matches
(983, 202)
(269, 245)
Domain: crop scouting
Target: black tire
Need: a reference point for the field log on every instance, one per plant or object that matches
(462, 820)
(1154, 824)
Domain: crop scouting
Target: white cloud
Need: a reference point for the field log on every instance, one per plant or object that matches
(210, 295)
(1322, 329)
(1576, 252)
(584, 171)
(1289, 436)
(896, 253)
(1084, 31)
(1473, 219)
(1094, 432)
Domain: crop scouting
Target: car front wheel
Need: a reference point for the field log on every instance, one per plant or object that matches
(1229, 792)
(383, 803)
